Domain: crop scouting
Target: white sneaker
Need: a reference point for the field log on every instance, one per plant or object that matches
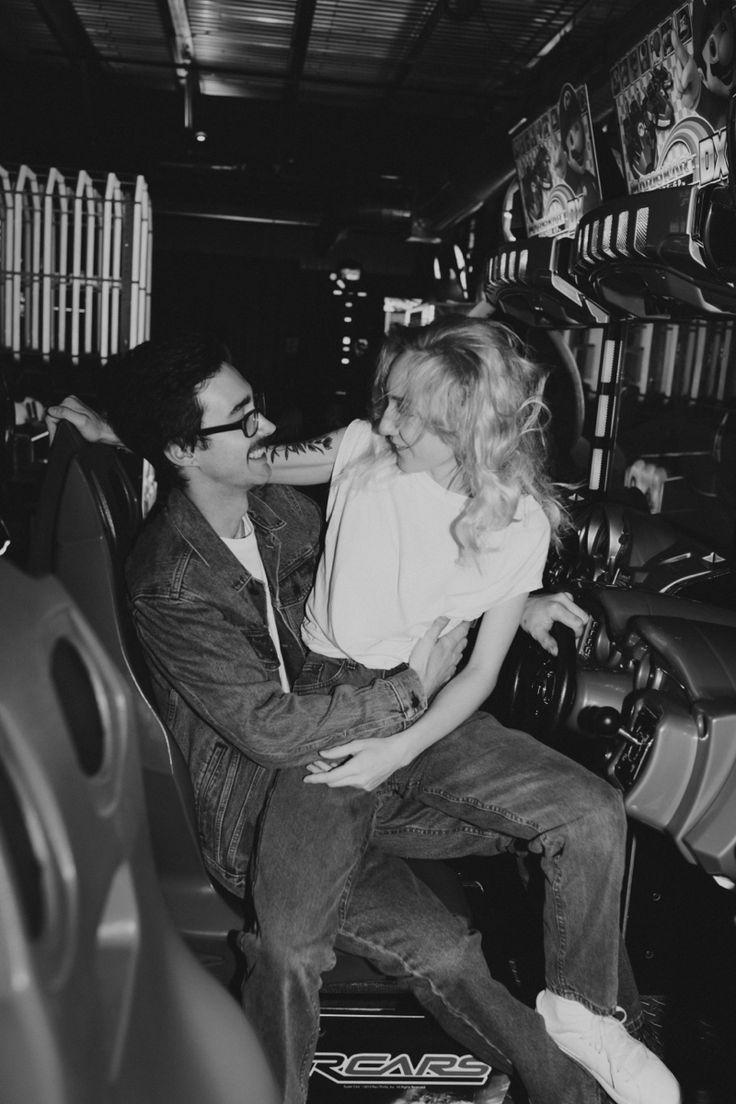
(623, 1066)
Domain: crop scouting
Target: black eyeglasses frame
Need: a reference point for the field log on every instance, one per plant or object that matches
(252, 418)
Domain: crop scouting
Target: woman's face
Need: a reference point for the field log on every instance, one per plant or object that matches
(415, 447)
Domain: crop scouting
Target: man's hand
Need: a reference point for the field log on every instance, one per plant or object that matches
(542, 610)
(435, 658)
(89, 423)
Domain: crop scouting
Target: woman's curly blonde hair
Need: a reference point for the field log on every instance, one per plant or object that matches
(470, 382)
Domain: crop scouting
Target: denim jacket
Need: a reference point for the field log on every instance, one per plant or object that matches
(201, 618)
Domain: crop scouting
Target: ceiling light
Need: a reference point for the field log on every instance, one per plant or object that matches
(549, 46)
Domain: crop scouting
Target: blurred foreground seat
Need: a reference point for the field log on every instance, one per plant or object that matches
(100, 1000)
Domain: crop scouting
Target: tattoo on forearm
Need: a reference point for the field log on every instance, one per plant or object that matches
(296, 448)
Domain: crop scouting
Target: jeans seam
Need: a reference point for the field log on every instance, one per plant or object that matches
(451, 1007)
(305, 1067)
(499, 811)
(561, 988)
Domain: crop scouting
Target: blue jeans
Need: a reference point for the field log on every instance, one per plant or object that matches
(329, 872)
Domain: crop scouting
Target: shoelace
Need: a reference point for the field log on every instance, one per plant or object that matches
(625, 1054)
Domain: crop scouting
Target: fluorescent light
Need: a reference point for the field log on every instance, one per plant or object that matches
(549, 46)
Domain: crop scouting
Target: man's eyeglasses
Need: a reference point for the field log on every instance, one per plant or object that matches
(248, 424)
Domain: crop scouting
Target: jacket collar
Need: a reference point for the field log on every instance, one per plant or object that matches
(194, 528)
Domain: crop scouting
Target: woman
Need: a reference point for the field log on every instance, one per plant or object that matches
(443, 507)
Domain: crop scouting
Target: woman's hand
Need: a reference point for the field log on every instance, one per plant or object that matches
(368, 763)
(435, 658)
(90, 424)
(543, 610)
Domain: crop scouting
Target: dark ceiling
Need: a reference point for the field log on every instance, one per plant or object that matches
(389, 116)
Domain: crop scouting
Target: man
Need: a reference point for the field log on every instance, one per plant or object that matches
(217, 583)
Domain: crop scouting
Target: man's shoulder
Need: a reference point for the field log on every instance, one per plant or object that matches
(289, 505)
(158, 548)
(177, 550)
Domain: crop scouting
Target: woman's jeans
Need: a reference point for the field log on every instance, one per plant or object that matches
(329, 871)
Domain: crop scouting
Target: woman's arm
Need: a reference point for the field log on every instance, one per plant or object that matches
(90, 424)
(372, 761)
(302, 463)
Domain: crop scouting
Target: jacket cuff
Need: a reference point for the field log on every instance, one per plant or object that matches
(410, 694)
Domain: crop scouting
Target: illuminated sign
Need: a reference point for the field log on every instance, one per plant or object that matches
(672, 93)
(557, 167)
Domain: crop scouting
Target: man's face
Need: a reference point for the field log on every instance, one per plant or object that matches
(230, 460)
(718, 56)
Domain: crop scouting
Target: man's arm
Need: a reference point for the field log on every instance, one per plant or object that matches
(207, 658)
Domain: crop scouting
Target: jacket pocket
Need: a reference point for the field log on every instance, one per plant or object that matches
(229, 798)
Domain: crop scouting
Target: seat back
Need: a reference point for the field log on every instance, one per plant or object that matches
(100, 1000)
(86, 519)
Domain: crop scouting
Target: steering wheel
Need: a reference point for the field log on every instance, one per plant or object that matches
(536, 690)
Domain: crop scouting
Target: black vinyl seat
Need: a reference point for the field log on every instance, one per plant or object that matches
(101, 1002)
(87, 516)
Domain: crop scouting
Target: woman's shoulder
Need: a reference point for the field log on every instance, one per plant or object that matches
(531, 513)
(357, 434)
(359, 448)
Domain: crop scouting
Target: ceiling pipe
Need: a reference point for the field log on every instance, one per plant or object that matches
(67, 28)
(179, 34)
(365, 218)
(458, 202)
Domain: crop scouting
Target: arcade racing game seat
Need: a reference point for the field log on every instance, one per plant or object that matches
(100, 1000)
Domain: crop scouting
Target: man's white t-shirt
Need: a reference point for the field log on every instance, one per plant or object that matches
(390, 565)
(245, 549)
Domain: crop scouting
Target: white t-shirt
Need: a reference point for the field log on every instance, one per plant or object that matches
(390, 565)
(246, 550)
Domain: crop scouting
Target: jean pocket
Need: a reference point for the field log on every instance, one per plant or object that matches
(318, 674)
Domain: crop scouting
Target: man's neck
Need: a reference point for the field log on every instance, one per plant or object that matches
(224, 511)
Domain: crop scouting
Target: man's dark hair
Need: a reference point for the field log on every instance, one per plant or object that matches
(152, 397)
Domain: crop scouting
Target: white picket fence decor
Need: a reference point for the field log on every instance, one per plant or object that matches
(75, 264)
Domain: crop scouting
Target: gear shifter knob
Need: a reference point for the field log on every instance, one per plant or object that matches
(599, 720)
